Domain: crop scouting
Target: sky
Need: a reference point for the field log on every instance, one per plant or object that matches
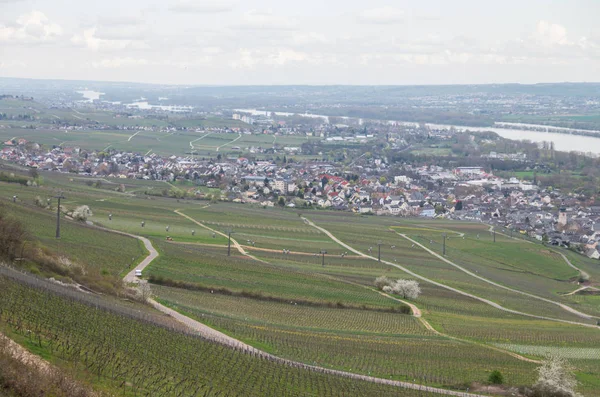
(266, 42)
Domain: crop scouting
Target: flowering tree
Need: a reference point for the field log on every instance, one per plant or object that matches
(81, 213)
(406, 288)
(556, 378)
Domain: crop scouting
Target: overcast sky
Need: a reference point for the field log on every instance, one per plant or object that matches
(302, 41)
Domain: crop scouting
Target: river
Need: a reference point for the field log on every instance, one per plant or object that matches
(564, 142)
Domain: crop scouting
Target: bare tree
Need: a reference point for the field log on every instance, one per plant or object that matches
(145, 291)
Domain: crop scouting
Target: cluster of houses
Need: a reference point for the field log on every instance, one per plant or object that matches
(462, 193)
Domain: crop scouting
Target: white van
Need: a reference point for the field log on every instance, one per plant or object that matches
(138, 273)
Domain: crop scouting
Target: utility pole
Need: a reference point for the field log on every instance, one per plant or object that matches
(323, 252)
(58, 214)
(444, 249)
(379, 243)
(229, 233)
(494, 234)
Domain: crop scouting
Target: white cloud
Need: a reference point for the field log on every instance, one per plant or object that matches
(282, 57)
(113, 63)
(90, 40)
(212, 50)
(120, 20)
(123, 32)
(264, 20)
(8, 64)
(201, 7)
(382, 15)
(248, 59)
(303, 38)
(550, 34)
(33, 27)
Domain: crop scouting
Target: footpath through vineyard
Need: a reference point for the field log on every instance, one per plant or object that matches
(214, 335)
(423, 278)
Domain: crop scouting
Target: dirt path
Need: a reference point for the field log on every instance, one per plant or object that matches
(196, 140)
(582, 289)
(235, 244)
(582, 274)
(470, 273)
(418, 276)
(131, 137)
(214, 335)
(130, 277)
(217, 336)
(229, 143)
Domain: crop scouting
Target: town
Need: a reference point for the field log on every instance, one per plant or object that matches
(367, 185)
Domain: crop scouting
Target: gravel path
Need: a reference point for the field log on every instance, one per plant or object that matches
(440, 257)
(235, 244)
(214, 335)
(418, 276)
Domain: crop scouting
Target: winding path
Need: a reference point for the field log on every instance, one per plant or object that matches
(214, 335)
(485, 280)
(582, 274)
(418, 276)
(581, 289)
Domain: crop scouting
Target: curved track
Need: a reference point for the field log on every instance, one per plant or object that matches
(418, 276)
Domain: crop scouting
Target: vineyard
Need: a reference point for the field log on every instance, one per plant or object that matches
(288, 300)
(130, 354)
(333, 340)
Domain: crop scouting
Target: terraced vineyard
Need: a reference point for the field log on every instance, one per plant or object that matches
(351, 340)
(128, 355)
(298, 305)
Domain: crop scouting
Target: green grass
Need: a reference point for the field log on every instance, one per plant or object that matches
(94, 249)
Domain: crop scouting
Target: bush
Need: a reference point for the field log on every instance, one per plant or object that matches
(82, 213)
(383, 281)
(12, 235)
(496, 378)
(39, 202)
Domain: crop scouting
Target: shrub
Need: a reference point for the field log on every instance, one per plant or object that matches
(82, 213)
(39, 202)
(12, 235)
(496, 378)
(383, 281)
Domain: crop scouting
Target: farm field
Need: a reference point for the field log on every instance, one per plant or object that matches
(314, 310)
(202, 144)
